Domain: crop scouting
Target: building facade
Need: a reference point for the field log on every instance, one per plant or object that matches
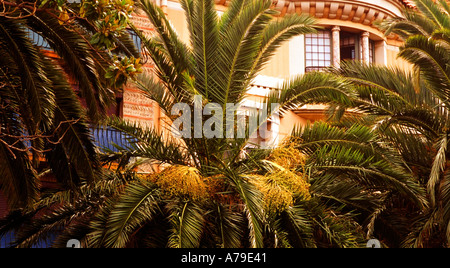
(348, 32)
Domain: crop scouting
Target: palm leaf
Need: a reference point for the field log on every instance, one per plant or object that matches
(432, 10)
(18, 179)
(298, 226)
(432, 60)
(136, 206)
(310, 88)
(228, 225)
(252, 199)
(35, 87)
(276, 33)
(150, 143)
(438, 167)
(204, 41)
(238, 49)
(75, 157)
(81, 62)
(169, 50)
(187, 219)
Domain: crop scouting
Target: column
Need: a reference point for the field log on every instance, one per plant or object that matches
(336, 32)
(163, 5)
(365, 47)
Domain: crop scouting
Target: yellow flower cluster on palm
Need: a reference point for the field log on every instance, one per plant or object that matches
(182, 181)
(281, 185)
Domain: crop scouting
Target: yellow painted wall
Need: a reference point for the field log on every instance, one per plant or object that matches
(178, 20)
(279, 64)
(394, 60)
(287, 124)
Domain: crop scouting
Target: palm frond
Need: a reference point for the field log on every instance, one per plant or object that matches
(432, 60)
(150, 143)
(276, 33)
(251, 198)
(187, 220)
(171, 55)
(228, 226)
(204, 40)
(239, 49)
(74, 156)
(81, 62)
(433, 11)
(18, 179)
(156, 91)
(35, 92)
(438, 167)
(135, 206)
(316, 87)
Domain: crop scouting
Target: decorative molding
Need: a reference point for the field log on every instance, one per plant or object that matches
(363, 12)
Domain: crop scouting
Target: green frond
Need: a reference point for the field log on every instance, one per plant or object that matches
(433, 62)
(316, 87)
(276, 33)
(433, 11)
(359, 137)
(239, 48)
(169, 50)
(81, 61)
(150, 143)
(186, 218)
(157, 92)
(204, 40)
(438, 167)
(337, 231)
(413, 23)
(35, 87)
(18, 179)
(297, 223)
(227, 225)
(135, 206)
(252, 199)
(74, 156)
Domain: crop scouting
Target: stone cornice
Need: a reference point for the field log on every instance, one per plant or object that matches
(358, 11)
(364, 12)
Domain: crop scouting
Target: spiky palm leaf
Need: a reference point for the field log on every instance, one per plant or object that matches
(43, 117)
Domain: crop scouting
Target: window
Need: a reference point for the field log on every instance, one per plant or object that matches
(317, 51)
(348, 46)
(371, 51)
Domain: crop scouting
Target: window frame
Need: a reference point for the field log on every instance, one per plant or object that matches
(318, 50)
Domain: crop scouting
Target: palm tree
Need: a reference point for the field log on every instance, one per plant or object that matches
(213, 188)
(399, 121)
(42, 117)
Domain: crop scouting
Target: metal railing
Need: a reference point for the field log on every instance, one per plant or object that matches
(107, 138)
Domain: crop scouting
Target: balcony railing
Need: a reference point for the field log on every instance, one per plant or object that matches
(315, 68)
(108, 139)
